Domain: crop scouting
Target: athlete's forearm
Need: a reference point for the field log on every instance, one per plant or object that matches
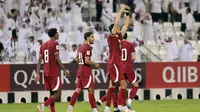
(118, 18)
(76, 59)
(39, 65)
(117, 21)
(126, 24)
(89, 62)
(60, 64)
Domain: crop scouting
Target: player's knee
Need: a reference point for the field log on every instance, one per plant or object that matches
(78, 90)
(90, 90)
(123, 87)
(58, 93)
(123, 84)
(135, 84)
(111, 84)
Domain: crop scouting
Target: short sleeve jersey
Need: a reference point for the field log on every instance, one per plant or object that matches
(127, 49)
(84, 51)
(115, 44)
(48, 51)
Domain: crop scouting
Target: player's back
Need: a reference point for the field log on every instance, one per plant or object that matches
(114, 44)
(84, 51)
(48, 50)
(127, 50)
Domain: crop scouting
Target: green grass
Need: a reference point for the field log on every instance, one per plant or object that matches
(140, 106)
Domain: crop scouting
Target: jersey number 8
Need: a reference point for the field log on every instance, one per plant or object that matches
(46, 56)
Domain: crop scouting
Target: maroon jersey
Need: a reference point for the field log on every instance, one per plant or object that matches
(127, 49)
(114, 44)
(84, 51)
(48, 50)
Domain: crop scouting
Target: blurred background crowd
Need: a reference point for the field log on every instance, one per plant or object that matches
(161, 30)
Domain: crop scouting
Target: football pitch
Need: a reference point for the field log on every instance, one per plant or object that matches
(140, 106)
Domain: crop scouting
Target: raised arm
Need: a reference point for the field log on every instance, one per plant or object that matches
(126, 24)
(117, 20)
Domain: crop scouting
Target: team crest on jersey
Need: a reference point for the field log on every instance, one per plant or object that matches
(57, 47)
(88, 52)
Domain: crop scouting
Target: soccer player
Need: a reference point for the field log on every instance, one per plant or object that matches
(128, 56)
(49, 53)
(84, 73)
(114, 63)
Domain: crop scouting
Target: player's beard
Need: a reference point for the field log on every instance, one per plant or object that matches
(92, 42)
(57, 37)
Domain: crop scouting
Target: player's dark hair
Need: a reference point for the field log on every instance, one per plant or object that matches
(87, 35)
(125, 36)
(52, 32)
(189, 10)
(111, 27)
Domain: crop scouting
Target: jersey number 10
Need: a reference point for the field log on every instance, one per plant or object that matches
(124, 54)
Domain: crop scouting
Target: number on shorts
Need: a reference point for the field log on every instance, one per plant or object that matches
(80, 58)
(46, 56)
(124, 54)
